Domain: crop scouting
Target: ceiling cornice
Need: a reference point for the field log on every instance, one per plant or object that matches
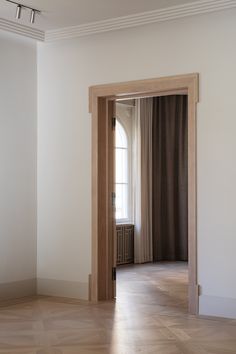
(170, 13)
(22, 30)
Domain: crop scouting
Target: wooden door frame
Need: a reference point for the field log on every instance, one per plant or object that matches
(99, 98)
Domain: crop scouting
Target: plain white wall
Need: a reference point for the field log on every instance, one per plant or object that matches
(18, 144)
(204, 44)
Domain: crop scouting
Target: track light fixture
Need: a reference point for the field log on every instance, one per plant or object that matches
(18, 12)
(32, 16)
(19, 7)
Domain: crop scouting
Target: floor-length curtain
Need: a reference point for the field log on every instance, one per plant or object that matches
(169, 178)
(142, 178)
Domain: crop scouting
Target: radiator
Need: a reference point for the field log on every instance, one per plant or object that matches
(125, 243)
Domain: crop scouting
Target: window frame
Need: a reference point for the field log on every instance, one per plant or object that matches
(129, 172)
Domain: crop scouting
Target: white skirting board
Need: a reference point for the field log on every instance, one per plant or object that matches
(217, 306)
(18, 289)
(62, 288)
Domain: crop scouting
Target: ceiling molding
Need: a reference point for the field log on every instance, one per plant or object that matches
(161, 15)
(170, 13)
(22, 30)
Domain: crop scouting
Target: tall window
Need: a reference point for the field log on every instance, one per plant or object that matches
(122, 174)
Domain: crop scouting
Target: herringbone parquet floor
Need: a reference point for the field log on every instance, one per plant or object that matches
(149, 316)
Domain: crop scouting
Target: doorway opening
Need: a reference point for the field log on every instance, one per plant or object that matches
(151, 188)
(104, 243)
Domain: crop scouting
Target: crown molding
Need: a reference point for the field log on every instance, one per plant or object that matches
(144, 18)
(22, 30)
(170, 13)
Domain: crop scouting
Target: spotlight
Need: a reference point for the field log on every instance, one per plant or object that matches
(19, 7)
(32, 16)
(18, 12)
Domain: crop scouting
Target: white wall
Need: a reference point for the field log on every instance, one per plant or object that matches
(204, 44)
(18, 144)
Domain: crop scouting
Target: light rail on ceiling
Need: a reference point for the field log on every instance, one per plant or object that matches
(20, 6)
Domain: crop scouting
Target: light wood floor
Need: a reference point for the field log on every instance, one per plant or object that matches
(149, 316)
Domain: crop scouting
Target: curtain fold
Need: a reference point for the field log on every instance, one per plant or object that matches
(169, 178)
(142, 178)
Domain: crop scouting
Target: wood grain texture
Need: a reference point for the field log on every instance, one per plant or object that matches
(150, 87)
(149, 316)
(111, 208)
(102, 201)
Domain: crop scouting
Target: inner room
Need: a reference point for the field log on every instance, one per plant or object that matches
(151, 204)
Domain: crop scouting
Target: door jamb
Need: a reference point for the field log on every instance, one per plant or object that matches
(99, 98)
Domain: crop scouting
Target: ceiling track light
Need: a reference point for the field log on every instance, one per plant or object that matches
(19, 7)
(18, 12)
(32, 16)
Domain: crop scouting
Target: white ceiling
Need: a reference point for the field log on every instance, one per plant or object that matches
(58, 14)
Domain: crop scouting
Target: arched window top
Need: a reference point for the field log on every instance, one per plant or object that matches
(121, 136)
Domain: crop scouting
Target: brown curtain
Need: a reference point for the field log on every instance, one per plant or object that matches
(169, 178)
